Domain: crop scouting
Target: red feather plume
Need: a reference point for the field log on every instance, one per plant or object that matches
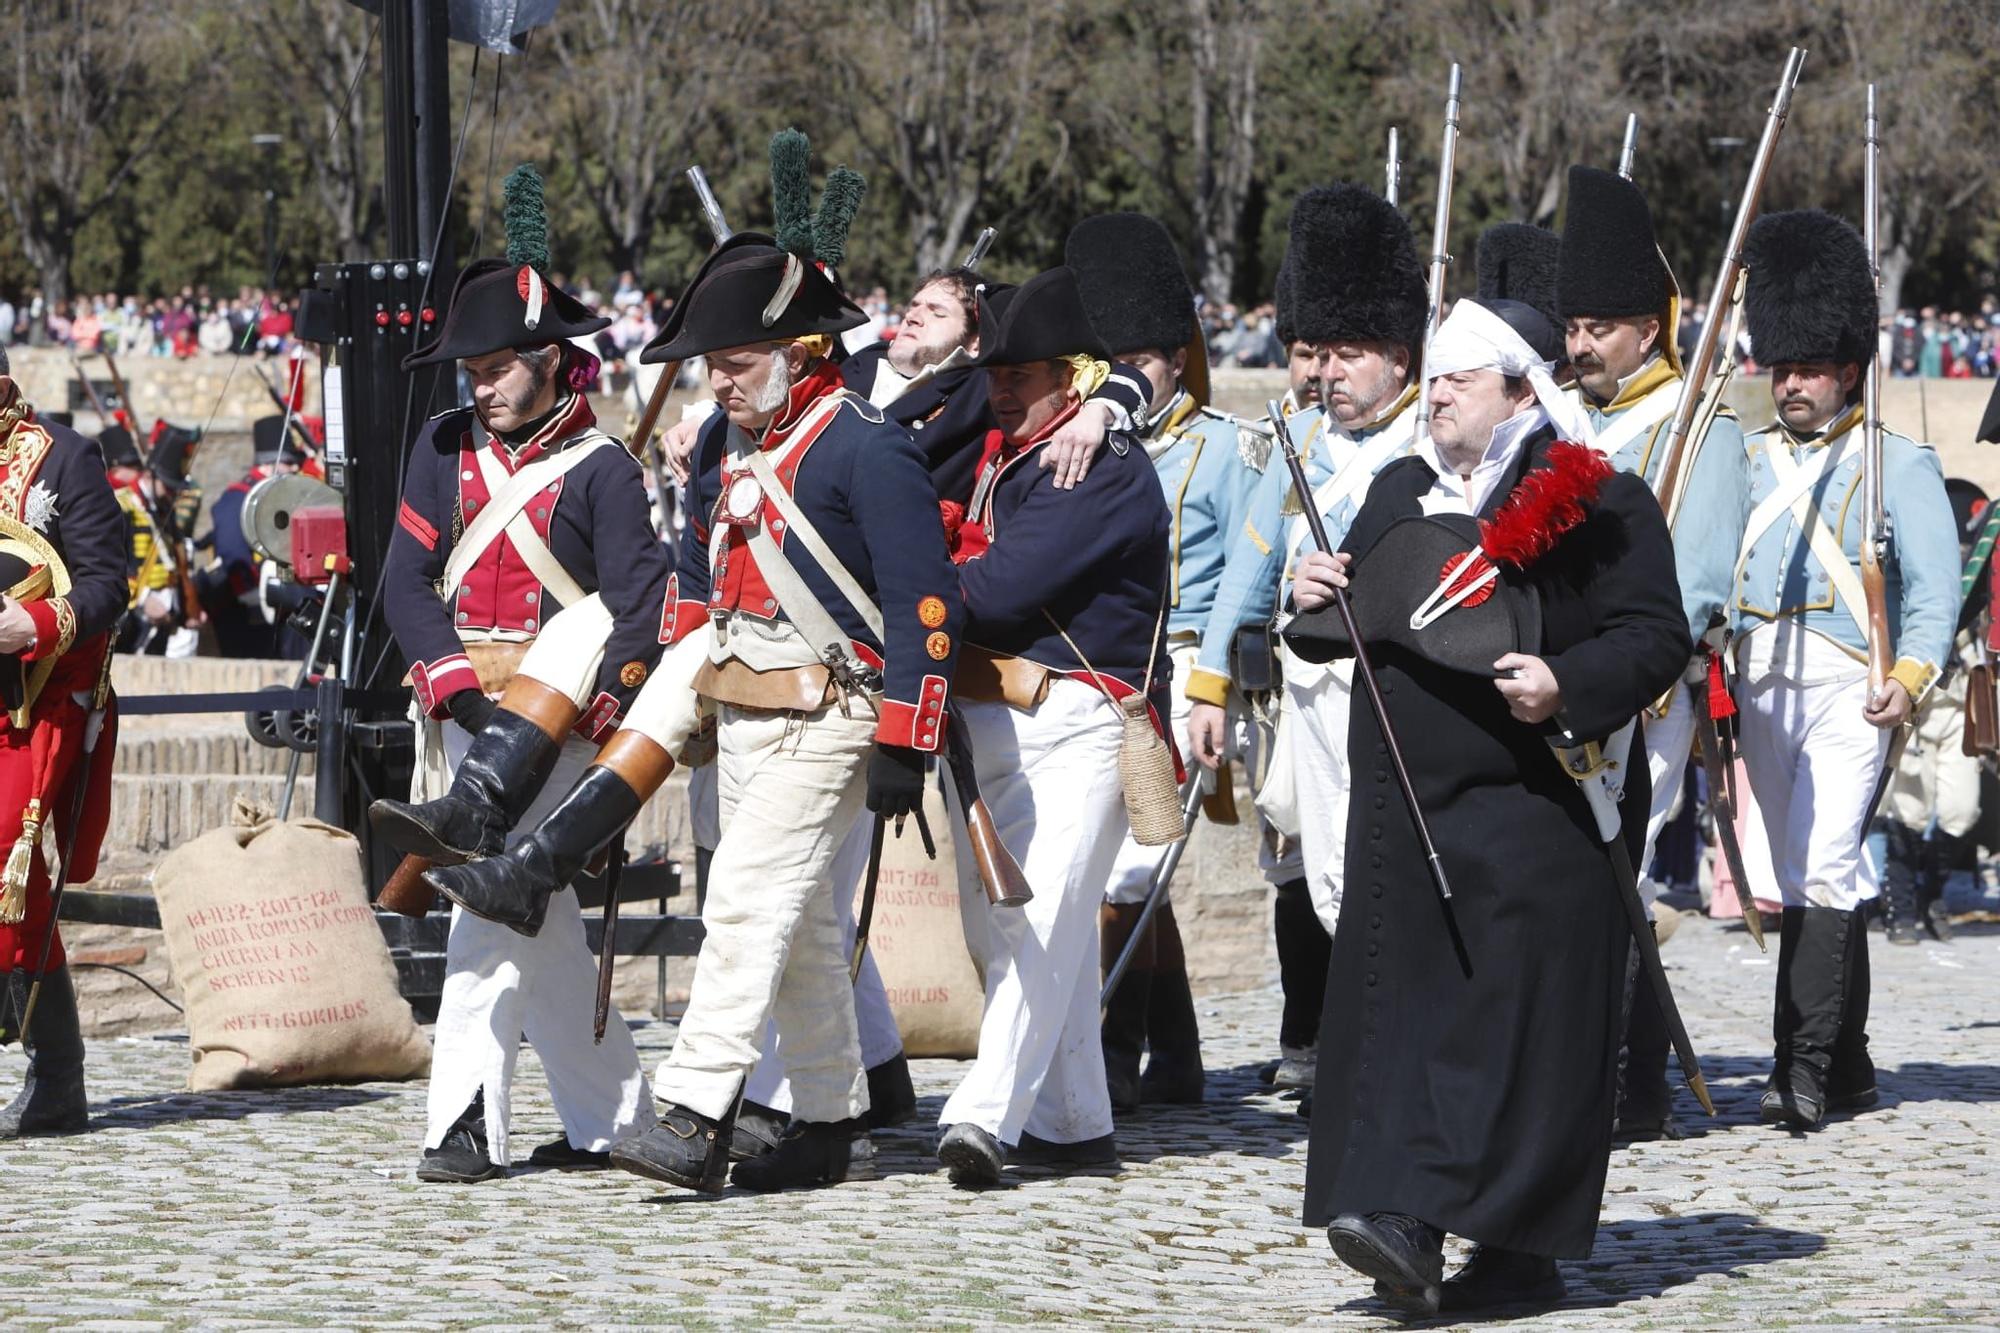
(1548, 503)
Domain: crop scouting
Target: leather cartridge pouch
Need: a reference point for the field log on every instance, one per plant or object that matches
(1253, 659)
(988, 678)
(800, 689)
(495, 662)
(1982, 712)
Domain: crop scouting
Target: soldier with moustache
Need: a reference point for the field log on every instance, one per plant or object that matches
(1621, 310)
(1814, 735)
(1359, 299)
(62, 550)
(1066, 598)
(813, 589)
(1142, 308)
(523, 567)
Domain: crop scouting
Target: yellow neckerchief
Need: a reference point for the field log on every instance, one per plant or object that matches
(1086, 373)
(1657, 371)
(1834, 429)
(1391, 412)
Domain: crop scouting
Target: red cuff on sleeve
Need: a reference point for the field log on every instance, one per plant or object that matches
(414, 523)
(679, 617)
(48, 630)
(437, 681)
(917, 726)
(600, 719)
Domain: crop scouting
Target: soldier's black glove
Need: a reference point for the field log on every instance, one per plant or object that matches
(471, 709)
(895, 780)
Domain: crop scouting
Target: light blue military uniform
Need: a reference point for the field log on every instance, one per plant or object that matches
(1812, 756)
(1209, 466)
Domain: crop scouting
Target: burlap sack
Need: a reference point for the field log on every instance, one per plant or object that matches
(918, 942)
(284, 971)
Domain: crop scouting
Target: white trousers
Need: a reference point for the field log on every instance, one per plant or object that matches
(790, 788)
(1935, 776)
(1319, 771)
(1813, 759)
(1669, 742)
(1132, 872)
(501, 986)
(1050, 779)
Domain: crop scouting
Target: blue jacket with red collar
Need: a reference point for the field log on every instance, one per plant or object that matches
(595, 522)
(1095, 558)
(862, 484)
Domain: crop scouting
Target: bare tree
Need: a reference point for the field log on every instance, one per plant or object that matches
(643, 82)
(90, 87)
(323, 46)
(958, 101)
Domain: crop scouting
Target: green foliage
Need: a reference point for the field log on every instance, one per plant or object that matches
(791, 191)
(525, 218)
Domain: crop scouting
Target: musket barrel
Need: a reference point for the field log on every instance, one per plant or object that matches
(1696, 369)
(1875, 516)
(710, 209)
(1631, 146)
(1393, 185)
(979, 248)
(1440, 234)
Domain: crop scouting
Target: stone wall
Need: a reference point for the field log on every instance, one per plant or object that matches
(223, 391)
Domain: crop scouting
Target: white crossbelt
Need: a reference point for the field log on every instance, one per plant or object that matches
(505, 511)
(1636, 420)
(1793, 494)
(1349, 480)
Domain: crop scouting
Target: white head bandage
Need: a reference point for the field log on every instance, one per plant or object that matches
(1474, 338)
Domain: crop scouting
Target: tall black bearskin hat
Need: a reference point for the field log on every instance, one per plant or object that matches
(510, 302)
(1810, 295)
(1609, 261)
(1355, 275)
(272, 441)
(1517, 262)
(755, 288)
(1132, 281)
(1040, 320)
(115, 443)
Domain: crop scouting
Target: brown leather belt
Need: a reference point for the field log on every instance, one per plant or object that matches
(988, 677)
(799, 689)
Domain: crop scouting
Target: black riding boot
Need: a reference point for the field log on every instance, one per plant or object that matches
(495, 784)
(1850, 1082)
(1303, 950)
(1645, 1097)
(1814, 969)
(514, 888)
(1173, 1034)
(1124, 1030)
(52, 1100)
(1940, 859)
(1901, 860)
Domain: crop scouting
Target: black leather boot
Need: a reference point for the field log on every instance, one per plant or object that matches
(811, 1154)
(1173, 1034)
(495, 784)
(1809, 1012)
(1940, 859)
(1124, 1029)
(461, 1159)
(514, 887)
(1850, 1081)
(685, 1148)
(1902, 856)
(892, 1097)
(1404, 1254)
(1303, 950)
(51, 1100)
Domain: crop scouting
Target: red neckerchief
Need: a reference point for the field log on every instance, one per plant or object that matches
(821, 380)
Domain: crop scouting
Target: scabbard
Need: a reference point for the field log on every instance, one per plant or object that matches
(607, 952)
(1722, 810)
(1649, 962)
(866, 918)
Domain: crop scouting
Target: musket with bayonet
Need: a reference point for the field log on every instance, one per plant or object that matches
(656, 402)
(1440, 239)
(1631, 145)
(1364, 672)
(977, 254)
(1392, 171)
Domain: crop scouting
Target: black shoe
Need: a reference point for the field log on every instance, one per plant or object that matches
(514, 888)
(971, 1156)
(812, 1154)
(1853, 1099)
(892, 1098)
(757, 1131)
(1493, 1278)
(1794, 1101)
(1404, 1255)
(1648, 1125)
(686, 1149)
(52, 1099)
(559, 1155)
(1034, 1151)
(1937, 922)
(1902, 932)
(494, 785)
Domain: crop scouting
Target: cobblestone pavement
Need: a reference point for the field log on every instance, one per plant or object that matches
(299, 1207)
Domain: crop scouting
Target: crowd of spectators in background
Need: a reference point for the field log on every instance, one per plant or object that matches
(1928, 342)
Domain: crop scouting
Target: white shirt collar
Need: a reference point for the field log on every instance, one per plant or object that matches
(1452, 494)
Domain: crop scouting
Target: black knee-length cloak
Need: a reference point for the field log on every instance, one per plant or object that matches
(1484, 1105)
